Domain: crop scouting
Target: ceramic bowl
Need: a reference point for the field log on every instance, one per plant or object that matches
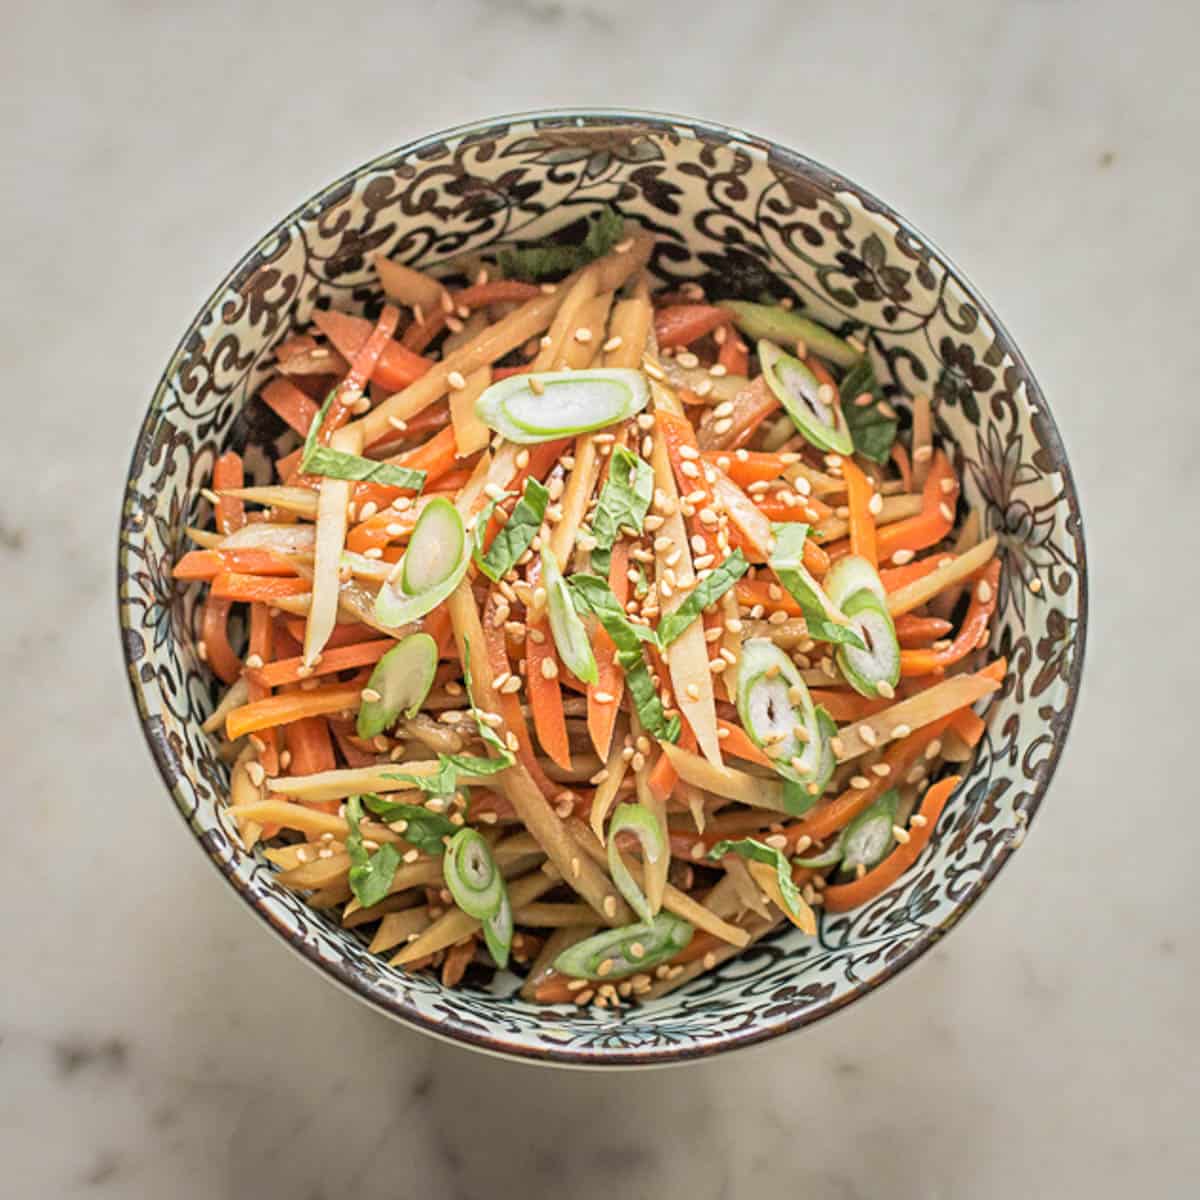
(744, 217)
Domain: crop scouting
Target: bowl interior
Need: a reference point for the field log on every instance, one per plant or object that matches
(745, 219)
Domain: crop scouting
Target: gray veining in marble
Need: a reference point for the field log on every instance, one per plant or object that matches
(154, 1041)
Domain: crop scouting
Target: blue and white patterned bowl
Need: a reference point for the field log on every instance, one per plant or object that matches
(743, 216)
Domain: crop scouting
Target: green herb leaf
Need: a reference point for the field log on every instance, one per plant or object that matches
(787, 561)
(337, 464)
(592, 594)
(708, 591)
(868, 838)
(624, 501)
(425, 829)
(760, 852)
(370, 874)
(872, 430)
(550, 258)
(516, 534)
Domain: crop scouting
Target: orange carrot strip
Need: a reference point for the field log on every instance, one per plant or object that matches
(736, 742)
(894, 578)
(756, 467)
(290, 404)
(396, 366)
(969, 726)
(935, 520)
(915, 632)
(862, 522)
(545, 694)
(767, 593)
(750, 406)
(663, 776)
(291, 706)
(208, 564)
(262, 641)
(214, 635)
(227, 473)
(970, 635)
(436, 458)
(610, 679)
(230, 585)
(311, 748)
(341, 658)
(501, 291)
(510, 706)
(682, 324)
(344, 634)
(844, 705)
(844, 896)
(734, 356)
(287, 468)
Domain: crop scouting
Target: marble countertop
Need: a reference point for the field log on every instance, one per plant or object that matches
(154, 1042)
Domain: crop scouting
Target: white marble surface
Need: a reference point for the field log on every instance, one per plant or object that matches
(155, 1041)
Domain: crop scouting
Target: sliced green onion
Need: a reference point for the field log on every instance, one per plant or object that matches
(432, 566)
(773, 702)
(850, 575)
(472, 876)
(498, 932)
(821, 616)
(785, 325)
(799, 391)
(402, 677)
(642, 823)
(615, 953)
(515, 535)
(868, 838)
(829, 857)
(568, 403)
(570, 635)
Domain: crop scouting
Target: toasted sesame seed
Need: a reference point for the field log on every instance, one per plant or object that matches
(946, 511)
(693, 691)
(901, 731)
(868, 735)
(1035, 585)
(920, 820)
(861, 782)
(602, 697)
(549, 668)
(370, 695)
(653, 369)
(398, 423)
(885, 689)
(583, 335)
(685, 358)
(933, 750)
(901, 835)
(718, 369)
(881, 769)
(698, 850)
(983, 593)
(901, 557)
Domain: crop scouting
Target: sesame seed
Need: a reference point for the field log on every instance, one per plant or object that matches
(885, 689)
(549, 668)
(901, 835)
(602, 697)
(653, 369)
(901, 731)
(946, 511)
(693, 691)
(689, 469)
(901, 557)
(698, 850)
(370, 695)
(933, 750)
(411, 856)
(685, 358)
(256, 773)
(718, 369)
(882, 770)
(1035, 585)
(868, 735)
(837, 746)
(920, 820)
(583, 335)
(398, 423)
(860, 782)
(703, 388)
(511, 685)
(983, 593)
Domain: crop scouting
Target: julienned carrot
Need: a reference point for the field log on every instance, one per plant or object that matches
(776, 508)
(915, 632)
(261, 646)
(969, 726)
(227, 473)
(894, 578)
(735, 741)
(311, 750)
(970, 635)
(936, 518)
(750, 466)
(364, 362)
(766, 592)
(610, 679)
(397, 366)
(663, 776)
(844, 705)
(828, 818)
(208, 564)
(287, 468)
(500, 291)
(844, 896)
(342, 658)
(231, 585)
(378, 530)
(292, 706)
(439, 627)
(510, 706)
(541, 458)
(733, 355)
(862, 523)
(345, 634)
(453, 481)
(682, 324)
(290, 404)
(436, 458)
(679, 437)
(214, 636)
(544, 689)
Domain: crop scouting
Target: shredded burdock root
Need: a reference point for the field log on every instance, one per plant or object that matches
(588, 632)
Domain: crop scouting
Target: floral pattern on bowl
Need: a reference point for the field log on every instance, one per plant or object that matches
(744, 218)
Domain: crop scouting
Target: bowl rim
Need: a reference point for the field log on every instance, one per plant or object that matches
(673, 1053)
